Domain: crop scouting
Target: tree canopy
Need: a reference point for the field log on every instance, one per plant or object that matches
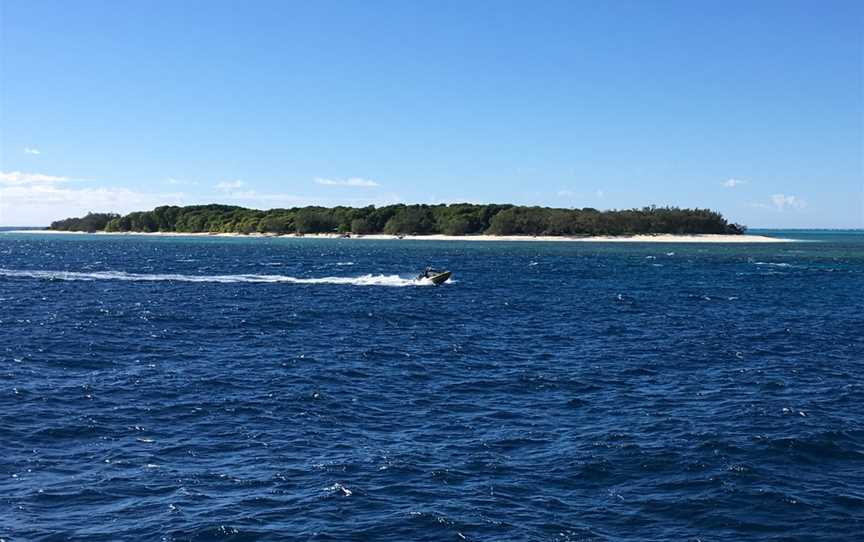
(452, 219)
(90, 223)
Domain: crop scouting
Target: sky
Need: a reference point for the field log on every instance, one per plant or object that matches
(750, 108)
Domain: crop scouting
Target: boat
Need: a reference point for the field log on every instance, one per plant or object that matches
(437, 277)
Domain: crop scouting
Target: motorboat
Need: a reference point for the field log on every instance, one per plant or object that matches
(437, 277)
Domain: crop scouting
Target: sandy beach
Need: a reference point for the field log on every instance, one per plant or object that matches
(659, 238)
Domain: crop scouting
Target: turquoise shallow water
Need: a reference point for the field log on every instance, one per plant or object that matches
(248, 389)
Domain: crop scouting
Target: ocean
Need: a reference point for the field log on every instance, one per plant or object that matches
(189, 388)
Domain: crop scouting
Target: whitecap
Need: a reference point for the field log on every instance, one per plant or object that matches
(337, 487)
(774, 264)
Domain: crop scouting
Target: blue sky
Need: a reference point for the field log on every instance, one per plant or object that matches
(750, 108)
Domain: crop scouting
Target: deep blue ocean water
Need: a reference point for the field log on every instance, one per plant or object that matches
(300, 389)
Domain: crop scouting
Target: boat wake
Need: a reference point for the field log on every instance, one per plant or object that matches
(363, 280)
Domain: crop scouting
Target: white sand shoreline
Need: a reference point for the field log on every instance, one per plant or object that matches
(657, 238)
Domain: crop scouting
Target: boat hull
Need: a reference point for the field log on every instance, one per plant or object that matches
(440, 278)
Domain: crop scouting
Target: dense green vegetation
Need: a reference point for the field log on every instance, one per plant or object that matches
(454, 219)
(90, 223)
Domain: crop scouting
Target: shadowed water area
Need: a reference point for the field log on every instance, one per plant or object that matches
(266, 389)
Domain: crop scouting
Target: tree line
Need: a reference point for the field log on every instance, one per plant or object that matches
(452, 219)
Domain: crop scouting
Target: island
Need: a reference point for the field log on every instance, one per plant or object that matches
(464, 221)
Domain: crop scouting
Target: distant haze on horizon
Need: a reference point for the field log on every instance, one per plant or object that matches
(751, 109)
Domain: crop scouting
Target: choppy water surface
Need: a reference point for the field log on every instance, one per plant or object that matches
(234, 389)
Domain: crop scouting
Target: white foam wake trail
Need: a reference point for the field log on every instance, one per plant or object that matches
(363, 280)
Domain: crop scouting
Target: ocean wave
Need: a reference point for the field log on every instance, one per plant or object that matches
(775, 264)
(362, 280)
